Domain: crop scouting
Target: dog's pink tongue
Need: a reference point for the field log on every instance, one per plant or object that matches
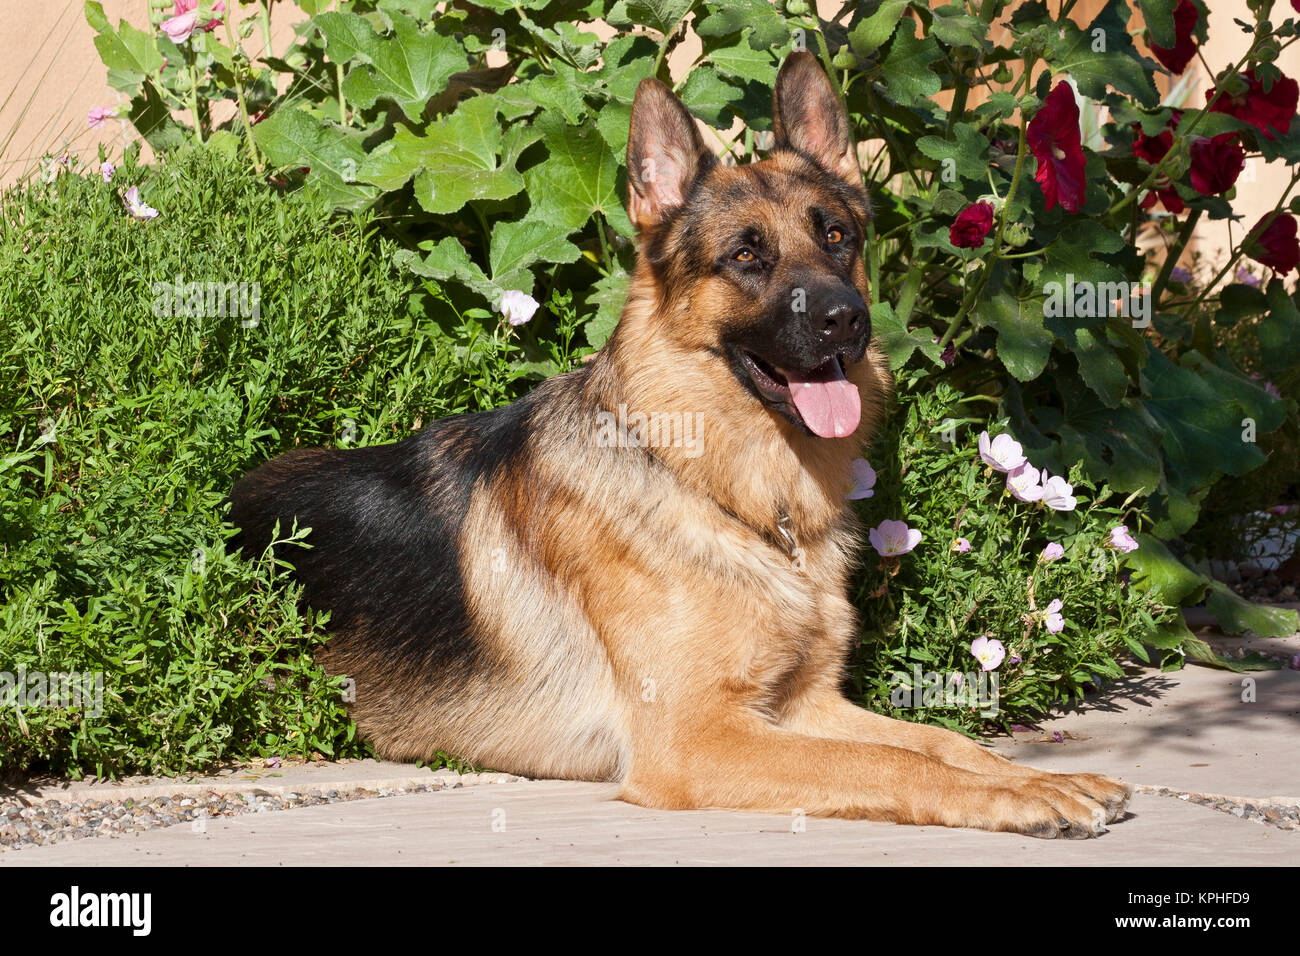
(829, 403)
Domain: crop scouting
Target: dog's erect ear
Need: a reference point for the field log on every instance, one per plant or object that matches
(808, 116)
(664, 154)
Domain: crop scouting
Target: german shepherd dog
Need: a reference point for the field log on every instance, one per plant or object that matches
(542, 590)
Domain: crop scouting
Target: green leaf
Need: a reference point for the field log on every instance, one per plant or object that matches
(662, 15)
(613, 123)
(897, 340)
(969, 153)
(874, 31)
(293, 137)
(710, 97)
(130, 54)
(458, 160)
(1236, 615)
(1279, 330)
(560, 93)
(518, 245)
(1202, 433)
(955, 27)
(610, 292)
(768, 25)
(1160, 574)
(1023, 343)
(1240, 301)
(1158, 15)
(1268, 412)
(577, 179)
(743, 61)
(448, 260)
(1073, 254)
(1103, 54)
(1100, 366)
(907, 67)
(408, 67)
(1122, 443)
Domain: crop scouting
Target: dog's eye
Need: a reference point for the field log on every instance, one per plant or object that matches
(744, 255)
(834, 236)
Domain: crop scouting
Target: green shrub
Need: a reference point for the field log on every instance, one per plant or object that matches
(979, 572)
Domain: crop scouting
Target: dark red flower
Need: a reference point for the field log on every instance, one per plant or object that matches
(1295, 5)
(1269, 112)
(972, 226)
(1153, 148)
(1276, 247)
(1056, 143)
(1216, 164)
(1177, 57)
(1168, 197)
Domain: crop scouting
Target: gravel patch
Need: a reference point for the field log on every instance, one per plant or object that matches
(44, 823)
(1283, 815)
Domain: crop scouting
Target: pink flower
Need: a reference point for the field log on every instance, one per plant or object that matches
(1002, 453)
(518, 307)
(864, 480)
(1121, 540)
(1023, 484)
(893, 538)
(106, 170)
(136, 207)
(98, 114)
(1052, 617)
(988, 651)
(1272, 389)
(186, 20)
(1058, 494)
(1053, 552)
(961, 545)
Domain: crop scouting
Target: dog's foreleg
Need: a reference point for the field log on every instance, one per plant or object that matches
(737, 760)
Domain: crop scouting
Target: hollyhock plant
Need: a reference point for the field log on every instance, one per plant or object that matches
(1053, 552)
(1216, 164)
(1002, 453)
(185, 20)
(864, 480)
(1276, 247)
(972, 226)
(988, 651)
(1058, 494)
(891, 538)
(1055, 139)
(1271, 111)
(1121, 540)
(1176, 58)
(1023, 483)
(518, 307)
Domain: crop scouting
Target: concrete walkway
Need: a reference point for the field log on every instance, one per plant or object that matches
(1188, 731)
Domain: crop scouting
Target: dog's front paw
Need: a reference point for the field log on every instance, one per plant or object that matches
(1071, 805)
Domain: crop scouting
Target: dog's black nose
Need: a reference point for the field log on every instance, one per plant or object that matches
(841, 318)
